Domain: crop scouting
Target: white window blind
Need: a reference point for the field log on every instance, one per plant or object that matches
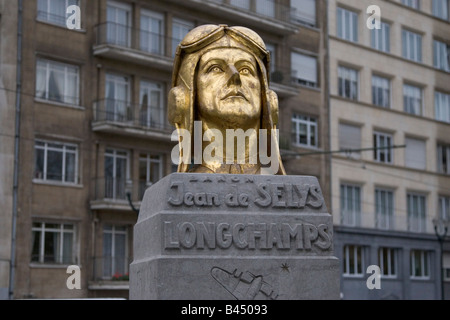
(304, 69)
(350, 138)
(415, 153)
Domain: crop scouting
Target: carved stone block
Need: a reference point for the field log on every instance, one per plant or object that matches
(204, 236)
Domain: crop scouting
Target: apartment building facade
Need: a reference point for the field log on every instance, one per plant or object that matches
(389, 107)
(8, 83)
(93, 123)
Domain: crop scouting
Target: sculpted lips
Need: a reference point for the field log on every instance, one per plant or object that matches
(234, 94)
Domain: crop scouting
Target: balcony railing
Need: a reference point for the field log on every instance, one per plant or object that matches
(111, 268)
(264, 8)
(142, 40)
(139, 116)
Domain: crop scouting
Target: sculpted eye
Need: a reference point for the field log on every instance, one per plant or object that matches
(214, 68)
(246, 71)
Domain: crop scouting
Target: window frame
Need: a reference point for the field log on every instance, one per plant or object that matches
(312, 130)
(375, 91)
(350, 217)
(345, 74)
(441, 111)
(384, 220)
(421, 216)
(148, 160)
(48, 66)
(60, 232)
(380, 39)
(387, 152)
(117, 194)
(443, 158)
(358, 252)
(416, 54)
(48, 17)
(392, 255)
(425, 264)
(113, 232)
(345, 20)
(46, 148)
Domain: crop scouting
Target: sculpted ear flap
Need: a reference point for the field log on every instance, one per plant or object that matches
(273, 102)
(178, 105)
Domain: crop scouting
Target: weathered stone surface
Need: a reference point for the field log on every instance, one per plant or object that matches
(203, 236)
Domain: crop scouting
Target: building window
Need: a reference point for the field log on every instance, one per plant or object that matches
(243, 4)
(415, 153)
(303, 12)
(54, 11)
(117, 98)
(382, 144)
(118, 16)
(443, 158)
(380, 38)
(304, 69)
(416, 212)
(150, 171)
(353, 260)
(116, 173)
(347, 25)
(179, 30)
(304, 131)
(444, 207)
(350, 205)
(441, 55)
(442, 106)
(56, 81)
(412, 99)
(412, 3)
(411, 45)
(53, 243)
(384, 209)
(151, 104)
(381, 91)
(55, 161)
(348, 83)
(152, 32)
(265, 8)
(387, 260)
(440, 9)
(350, 140)
(420, 264)
(115, 251)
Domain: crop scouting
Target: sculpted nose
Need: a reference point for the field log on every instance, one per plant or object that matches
(234, 77)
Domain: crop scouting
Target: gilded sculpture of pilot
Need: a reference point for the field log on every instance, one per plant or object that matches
(220, 82)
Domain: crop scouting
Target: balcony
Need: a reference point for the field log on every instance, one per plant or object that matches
(124, 118)
(110, 273)
(282, 83)
(124, 43)
(268, 15)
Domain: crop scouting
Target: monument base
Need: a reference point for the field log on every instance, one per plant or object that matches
(245, 237)
(200, 278)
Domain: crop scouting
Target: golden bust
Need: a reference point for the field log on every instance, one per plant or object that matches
(220, 95)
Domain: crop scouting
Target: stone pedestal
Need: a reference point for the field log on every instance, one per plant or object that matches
(222, 237)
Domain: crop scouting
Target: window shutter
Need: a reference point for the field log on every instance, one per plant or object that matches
(415, 153)
(304, 67)
(349, 136)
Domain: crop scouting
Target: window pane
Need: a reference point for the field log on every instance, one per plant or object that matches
(54, 165)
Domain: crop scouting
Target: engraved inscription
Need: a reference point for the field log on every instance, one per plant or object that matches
(265, 236)
(266, 194)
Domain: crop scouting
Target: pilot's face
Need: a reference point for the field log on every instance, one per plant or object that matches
(228, 86)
